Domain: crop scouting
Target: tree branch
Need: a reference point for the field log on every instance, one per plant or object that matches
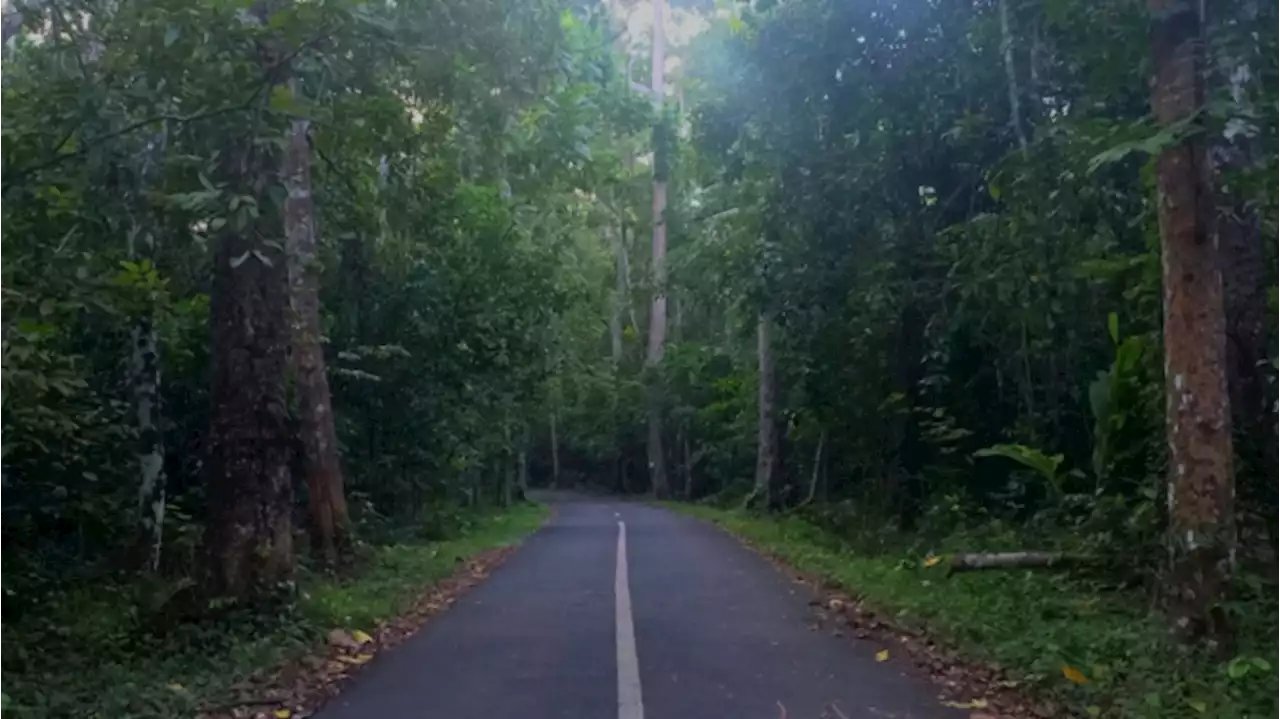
(86, 147)
(1013, 560)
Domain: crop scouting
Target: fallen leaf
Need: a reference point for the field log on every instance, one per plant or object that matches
(835, 605)
(176, 687)
(882, 655)
(282, 714)
(361, 637)
(356, 660)
(1074, 674)
(932, 561)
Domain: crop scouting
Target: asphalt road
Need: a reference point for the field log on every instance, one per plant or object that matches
(620, 610)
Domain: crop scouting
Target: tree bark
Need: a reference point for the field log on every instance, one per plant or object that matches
(248, 538)
(658, 308)
(145, 380)
(764, 494)
(1250, 376)
(687, 488)
(326, 501)
(619, 295)
(503, 471)
(522, 466)
(249, 533)
(1201, 535)
(816, 476)
(1011, 560)
(144, 373)
(555, 454)
(1011, 77)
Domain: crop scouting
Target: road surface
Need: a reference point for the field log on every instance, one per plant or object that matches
(620, 610)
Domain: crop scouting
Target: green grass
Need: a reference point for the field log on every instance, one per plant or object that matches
(1035, 623)
(92, 655)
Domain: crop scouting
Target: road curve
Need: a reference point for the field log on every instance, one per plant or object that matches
(617, 610)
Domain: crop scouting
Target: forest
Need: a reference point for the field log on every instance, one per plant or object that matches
(292, 285)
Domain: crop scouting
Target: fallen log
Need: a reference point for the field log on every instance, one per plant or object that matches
(1012, 560)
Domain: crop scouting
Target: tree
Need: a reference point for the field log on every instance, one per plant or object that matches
(327, 504)
(249, 537)
(1234, 56)
(1201, 491)
(768, 461)
(662, 136)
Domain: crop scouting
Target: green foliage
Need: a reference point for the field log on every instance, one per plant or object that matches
(1044, 465)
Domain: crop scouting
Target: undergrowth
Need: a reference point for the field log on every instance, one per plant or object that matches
(96, 651)
(1042, 626)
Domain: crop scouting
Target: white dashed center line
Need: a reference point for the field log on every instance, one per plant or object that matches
(630, 704)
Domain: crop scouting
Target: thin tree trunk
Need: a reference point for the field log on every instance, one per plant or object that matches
(658, 308)
(144, 374)
(1201, 534)
(620, 304)
(816, 475)
(326, 501)
(764, 494)
(619, 295)
(522, 466)
(1011, 75)
(625, 259)
(145, 380)
(503, 471)
(555, 454)
(687, 488)
(678, 490)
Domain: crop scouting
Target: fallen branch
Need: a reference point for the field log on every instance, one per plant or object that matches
(1012, 560)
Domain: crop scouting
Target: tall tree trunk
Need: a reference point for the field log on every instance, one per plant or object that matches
(555, 453)
(143, 378)
(1011, 78)
(249, 533)
(1201, 484)
(326, 501)
(658, 308)
(620, 303)
(764, 495)
(1250, 376)
(144, 373)
(249, 537)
